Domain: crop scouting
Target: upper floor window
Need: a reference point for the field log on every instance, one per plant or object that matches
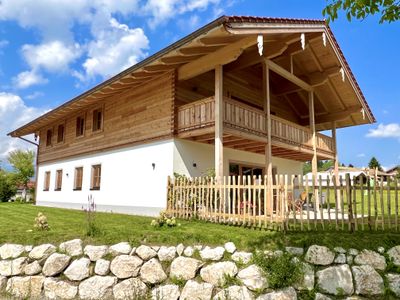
(97, 119)
(49, 137)
(78, 179)
(80, 126)
(58, 180)
(46, 185)
(96, 177)
(60, 133)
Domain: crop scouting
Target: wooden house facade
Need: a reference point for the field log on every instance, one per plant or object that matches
(241, 95)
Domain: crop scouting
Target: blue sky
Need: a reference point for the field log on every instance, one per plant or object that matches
(53, 50)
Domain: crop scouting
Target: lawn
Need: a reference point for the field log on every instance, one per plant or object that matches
(16, 226)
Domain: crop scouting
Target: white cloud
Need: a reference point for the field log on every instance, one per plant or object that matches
(28, 78)
(391, 130)
(34, 95)
(361, 155)
(14, 113)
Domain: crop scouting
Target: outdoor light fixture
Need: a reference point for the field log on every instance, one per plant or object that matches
(194, 165)
(153, 165)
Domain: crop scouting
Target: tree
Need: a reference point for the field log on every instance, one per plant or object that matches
(7, 186)
(374, 163)
(22, 162)
(389, 10)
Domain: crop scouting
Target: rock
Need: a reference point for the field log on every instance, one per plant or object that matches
(215, 273)
(11, 251)
(394, 254)
(295, 251)
(97, 287)
(319, 296)
(308, 280)
(188, 251)
(152, 272)
(131, 288)
(36, 286)
(29, 287)
(368, 257)
(353, 251)
(28, 248)
(179, 249)
(78, 269)
(336, 280)
(253, 278)
(285, 294)
(166, 292)
(394, 283)
(59, 289)
(184, 268)
(350, 259)
(194, 290)
(102, 267)
(234, 293)
(120, 248)
(55, 264)
(381, 250)
(242, 257)
(3, 284)
(319, 255)
(133, 251)
(214, 254)
(42, 251)
(166, 253)
(125, 266)
(145, 252)
(340, 258)
(95, 252)
(367, 281)
(33, 268)
(155, 248)
(5, 267)
(18, 266)
(339, 250)
(72, 248)
(230, 247)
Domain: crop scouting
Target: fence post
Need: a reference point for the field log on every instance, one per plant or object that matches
(349, 202)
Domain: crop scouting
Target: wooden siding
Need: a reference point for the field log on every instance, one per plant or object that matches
(136, 116)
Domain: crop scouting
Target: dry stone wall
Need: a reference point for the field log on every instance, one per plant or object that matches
(75, 271)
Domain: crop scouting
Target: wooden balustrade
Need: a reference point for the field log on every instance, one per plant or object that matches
(196, 115)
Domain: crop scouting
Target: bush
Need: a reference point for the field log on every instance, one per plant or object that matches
(90, 211)
(7, 186)
(165, 219)
(41, 222)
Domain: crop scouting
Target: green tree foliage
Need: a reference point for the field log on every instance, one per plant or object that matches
(389, 10)
(323, 165)
(7, 186)
(374, 163)
(22, 162)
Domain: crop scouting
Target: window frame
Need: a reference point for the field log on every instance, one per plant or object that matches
(101, 128)
(93, 182)
(82, 117)
(76, 188)
(49, 141)
(63, 135)
(46, 183)
(58, 181)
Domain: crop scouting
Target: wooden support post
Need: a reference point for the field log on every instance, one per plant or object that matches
(336, 162)
(314, 163)
(219, 151)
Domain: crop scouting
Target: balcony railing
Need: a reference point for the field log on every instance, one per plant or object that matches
(240, 116)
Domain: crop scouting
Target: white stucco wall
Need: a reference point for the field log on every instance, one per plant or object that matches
(186, 153)
(128, 182)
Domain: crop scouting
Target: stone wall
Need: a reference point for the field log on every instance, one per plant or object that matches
(72, 271)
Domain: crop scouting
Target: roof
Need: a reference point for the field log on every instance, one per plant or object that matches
(230, 28)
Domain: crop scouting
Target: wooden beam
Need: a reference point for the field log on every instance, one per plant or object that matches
(198, 50)
(219, 102)
(314, 163)
(157, 68)
(320, 78)
(214, 41)
(171, 60)
(334, 116)
(208, 62)
(336, 163)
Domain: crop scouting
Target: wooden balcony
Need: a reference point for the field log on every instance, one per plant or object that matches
(196, 121)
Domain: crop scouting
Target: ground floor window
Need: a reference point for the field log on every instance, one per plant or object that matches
(78, 179)
(46, 185)
(96, 177)
(58, 180)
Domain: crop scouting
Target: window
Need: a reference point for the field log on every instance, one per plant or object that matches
(80, 126)
(96, 177)
(58, 180)
(49, 137)
(60, 133)
(46, 186)
(78, 179)
(97, 119)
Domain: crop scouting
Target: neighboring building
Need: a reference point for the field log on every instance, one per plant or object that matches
(259, 89)
(394, 172)
(22, 192)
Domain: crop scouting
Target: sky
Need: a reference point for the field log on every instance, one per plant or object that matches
(54, 50)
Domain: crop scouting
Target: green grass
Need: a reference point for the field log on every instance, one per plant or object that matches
(16, 226)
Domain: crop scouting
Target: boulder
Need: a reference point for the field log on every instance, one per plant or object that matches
(381, 250)
(95, 252)
(133, 251)
(29, 287)
(368, 257)
(188, 251)
(11, 251)
(72, 248)
(145, 252)
(340, 258)
(131, 288)
(295, 251)
(120, 248)
(230, 247)
(33, 268)
(124, 266)
(5, 267)
(42, 251)
(308, 280)
(319, 255)
(353, 251)
(179, 249)
(28, 248)
(166, 292)
(55, 264)
(284, 294)
(394, 254)
(166, 253)
(394, 283)
(234, 292)
(59, 289)
(78, 269)
(253, 278)
(97, 287)
(18, 266)
(319, 296)
(152, 272)
(184, 267)
(215, 273)
(367, 281)
(214, 254)
(194, 290)
(336, 280)
(339, 250)
(242, 257)
(102, 267)
(3, 284)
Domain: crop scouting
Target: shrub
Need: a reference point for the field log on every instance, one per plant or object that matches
(90, 212)
(41, 222)
(165, 219)
(7, 186)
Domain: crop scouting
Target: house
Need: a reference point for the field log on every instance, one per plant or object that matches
(242, 95)
(22, 192)
(394, 171)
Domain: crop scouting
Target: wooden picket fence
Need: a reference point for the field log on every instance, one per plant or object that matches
(287, 202)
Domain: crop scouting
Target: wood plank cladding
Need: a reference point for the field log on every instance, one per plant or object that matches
(138, 115)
